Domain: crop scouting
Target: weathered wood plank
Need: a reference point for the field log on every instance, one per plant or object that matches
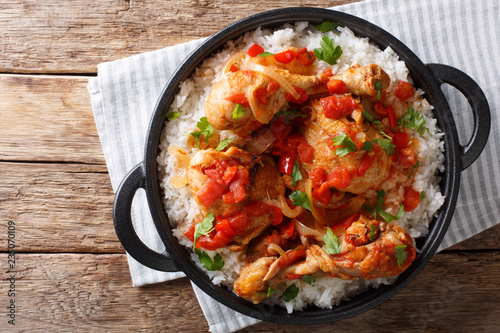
(68, 208)
(85, 292)
(46, 118)
(56, 36)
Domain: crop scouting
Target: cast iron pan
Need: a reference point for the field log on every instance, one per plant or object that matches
(428, 77)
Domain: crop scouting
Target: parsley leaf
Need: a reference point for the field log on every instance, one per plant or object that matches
(172, 115)
(422, 195)
(328, 52)
(271, 291)
(223, 144)
(343, 140)
(413, 168)
(367, 146)
(308, 279)
(326, 26)
(296, 175)
(414, 120)
(401, 254)
(291, 113)
(372, 120)
(372, 232)
(290, 293)
(378, 87)
(300, 199)
(265, 54)
(205, 129)
(238, 112)
(205, 227)
(388, 217)
(216, 265)
(386, 144)
(379, 209)
(368, 117)
(332, 244)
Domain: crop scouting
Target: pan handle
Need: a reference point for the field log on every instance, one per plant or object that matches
(124, 228)
(478, 103)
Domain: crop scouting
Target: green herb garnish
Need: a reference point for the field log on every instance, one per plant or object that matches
(223, 144)
(300, 199)
(308, 279)
(205, 129)
(386, 144)
(343, 140)
(328, 52)
(216, 265)
(270, 291)
(367, 146)
(372, 120)
(296, 175)
(422, 195)
(379, 209)
(378, 87)
(265, 54)
(413, 168)
(172, 115)
(414, 120)
(372, 232)
(326, 26)
(291, 113)
(401, 254)
(290, 293)
(332, 244)
(238, 112)
(205, 227)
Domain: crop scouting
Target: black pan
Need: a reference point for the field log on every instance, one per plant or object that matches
(428, 77)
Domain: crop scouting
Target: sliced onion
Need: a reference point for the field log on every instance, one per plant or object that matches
(303, 230)
(352, 207)
(262, 143)
(286, 210)
(317, 215)
(232, 59)
(180, 178)
(262, 115)
(278, 78)
(275, 249)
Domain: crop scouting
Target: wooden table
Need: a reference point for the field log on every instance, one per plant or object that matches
(71, 273)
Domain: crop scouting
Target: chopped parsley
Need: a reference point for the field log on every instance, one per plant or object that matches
(386, 144)
(422, 195)
(238, 112)
(308, 279)
(413, 168)
(291, 113)
(270, 291)
(205, 129)
(372, 232)
(367, 146)
(296, 175)
(372, 120)
(223, 144)
(378, 87)
(326, 26)
(343, 140)
(328, 52)
(216, 265)
(414, 120)
(290, 293)
(379, 209)
(205, 227)
(172, 115)
(401, 254)
(265, 54)
(332, 244)
(300, 199)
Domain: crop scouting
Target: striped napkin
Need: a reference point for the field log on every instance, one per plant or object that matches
(464, 34)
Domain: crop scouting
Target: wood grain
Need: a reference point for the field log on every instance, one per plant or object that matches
(92, 293)
(57, 36)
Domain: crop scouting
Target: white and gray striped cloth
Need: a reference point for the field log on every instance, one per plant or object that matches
(462, 33)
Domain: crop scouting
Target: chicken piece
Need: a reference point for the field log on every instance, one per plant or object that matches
(248, 88)
(250, 284)
(361, 81)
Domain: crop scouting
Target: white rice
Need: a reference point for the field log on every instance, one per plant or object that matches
(181, 207)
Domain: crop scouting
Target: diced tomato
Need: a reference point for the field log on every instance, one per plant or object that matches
(260, 94)
(392, 116)
(325, 75)
(213, 242)
(293, 276)
(222, 225)
(286, 56)
(229, 174)
(366, 163)
(238, 222)
(336, 107)
(255, 50)
(260, 208)
(239, 98)
(340, 177)
(404, 90)
(345, 223)
(380, 109)
(294, 139)
(411, 199)
(285, 164)
(407, 156)
(280, 128)
(323, 193)
(302, 96)
(305, 152)
(317, 176)
(336, 87)
(286, 229)
(400, 139)
(190, 233)
(233, 68)
(210, 193)
(304, 57)
(292, 256)
(236, 187)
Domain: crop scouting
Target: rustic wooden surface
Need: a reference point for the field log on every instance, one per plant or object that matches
(72, 273)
